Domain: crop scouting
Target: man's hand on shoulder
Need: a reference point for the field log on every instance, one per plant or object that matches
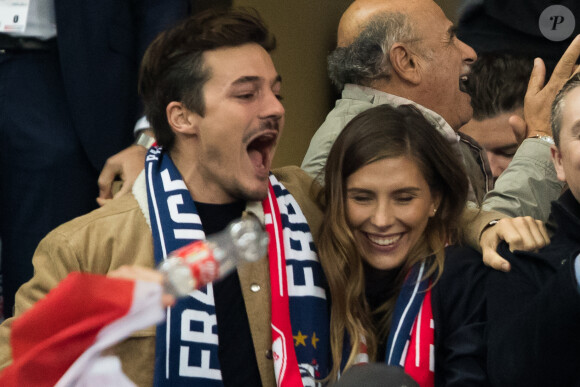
(127, 165)
(522, 233)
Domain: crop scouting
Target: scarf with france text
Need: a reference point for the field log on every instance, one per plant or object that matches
(187, 343)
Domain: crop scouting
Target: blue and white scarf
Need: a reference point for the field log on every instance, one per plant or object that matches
(187, 344)
(406, 310)
(411, 342)
(407, 307)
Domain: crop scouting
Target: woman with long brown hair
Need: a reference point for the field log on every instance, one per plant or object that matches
(394, 192)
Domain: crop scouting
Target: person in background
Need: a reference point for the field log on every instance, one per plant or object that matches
(212, 95)
(534, 310)
(406, 52)
(68, 86)
(390, 52)
(392, 203)
(497, 86)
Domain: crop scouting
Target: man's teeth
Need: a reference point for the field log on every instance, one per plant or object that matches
(384, 241)
(464, 83)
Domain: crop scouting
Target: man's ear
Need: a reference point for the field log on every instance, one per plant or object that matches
(405, 63)
(181, 119)
(557, 160)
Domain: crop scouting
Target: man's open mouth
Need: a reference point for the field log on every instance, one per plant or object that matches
(464, 83)
(260, 149)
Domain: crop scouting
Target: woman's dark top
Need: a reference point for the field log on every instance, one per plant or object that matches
(459, 313)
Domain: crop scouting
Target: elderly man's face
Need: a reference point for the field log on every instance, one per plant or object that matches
(444, 62)
(567, 158)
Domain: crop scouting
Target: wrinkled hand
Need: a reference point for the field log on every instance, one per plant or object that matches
(539, 98)
(126, 164)
(523, 233)
(138, 273)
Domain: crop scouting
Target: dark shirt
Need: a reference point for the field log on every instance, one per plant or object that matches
(235, 338)
(380, 285)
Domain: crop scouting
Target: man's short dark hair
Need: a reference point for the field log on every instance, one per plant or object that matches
(173, 68)
(498, 83)
(558, 107)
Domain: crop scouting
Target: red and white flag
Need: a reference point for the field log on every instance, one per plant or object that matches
(58, 341)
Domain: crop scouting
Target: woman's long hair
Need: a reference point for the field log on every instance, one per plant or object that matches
(378, 133)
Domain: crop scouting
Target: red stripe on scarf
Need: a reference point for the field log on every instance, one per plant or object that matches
(420, 361)
(285, 362)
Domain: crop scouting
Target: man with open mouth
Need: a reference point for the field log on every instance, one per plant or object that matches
(212, 95)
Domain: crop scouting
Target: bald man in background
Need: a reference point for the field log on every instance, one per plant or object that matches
(408, 30)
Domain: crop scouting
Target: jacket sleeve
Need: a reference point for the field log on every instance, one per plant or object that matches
(460, 317)
(474, 222)
(528, 186)
(534, 310)
(53, 261)
(101, 241)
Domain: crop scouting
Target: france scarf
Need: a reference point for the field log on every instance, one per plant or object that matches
(187, 344)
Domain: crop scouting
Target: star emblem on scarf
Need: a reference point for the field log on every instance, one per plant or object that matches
(314, 340)
(300, 339)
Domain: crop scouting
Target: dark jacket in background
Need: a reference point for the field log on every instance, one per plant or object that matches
(534, 310)
(66, 109)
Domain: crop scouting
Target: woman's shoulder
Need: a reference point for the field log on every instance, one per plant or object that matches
(459, 313)
(462, 269)
(460, 291)
(459, 258)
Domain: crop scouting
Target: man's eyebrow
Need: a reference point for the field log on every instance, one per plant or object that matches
(452, 31)
(276, 80)
(246, 79)
(575, 129)
(253, 79)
